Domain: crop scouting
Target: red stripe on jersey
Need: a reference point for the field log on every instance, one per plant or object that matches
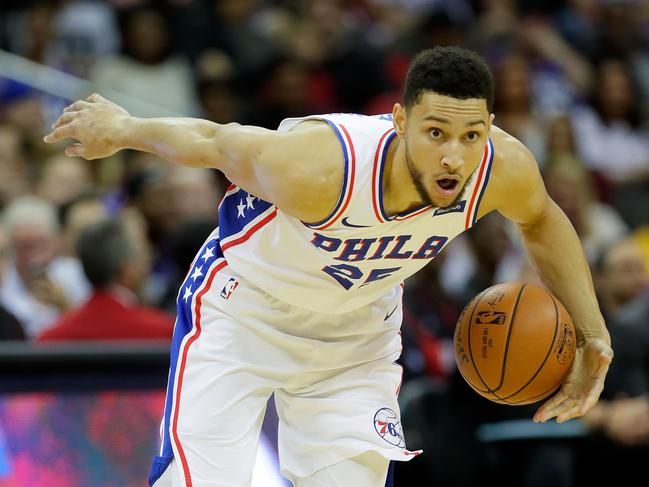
(476, 190)
(250, 231)
(415, 213)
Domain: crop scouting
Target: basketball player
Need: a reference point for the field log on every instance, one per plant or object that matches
(298, 291)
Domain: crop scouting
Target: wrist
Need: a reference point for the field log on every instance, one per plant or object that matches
(125, 133)
(586, 336)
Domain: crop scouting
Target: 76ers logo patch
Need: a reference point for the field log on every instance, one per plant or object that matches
(388, 426)
(229, 288)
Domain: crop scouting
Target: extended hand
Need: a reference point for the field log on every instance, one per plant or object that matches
(93, 123)
(583, 385)
(628, 420)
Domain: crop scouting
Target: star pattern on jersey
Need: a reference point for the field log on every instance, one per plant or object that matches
(241, 207)
(188, 293)
(198, 272)
(247, 204)
(250, 199)
(209, 252)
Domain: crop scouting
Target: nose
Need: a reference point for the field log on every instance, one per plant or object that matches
(452, 162)
(452, 159)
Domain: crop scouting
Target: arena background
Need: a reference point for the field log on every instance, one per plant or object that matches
(572, 83)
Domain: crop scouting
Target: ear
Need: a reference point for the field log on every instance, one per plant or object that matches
(399, 119)
(490, 123)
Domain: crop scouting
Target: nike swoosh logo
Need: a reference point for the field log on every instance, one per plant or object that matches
(351, 225)
(390, 313)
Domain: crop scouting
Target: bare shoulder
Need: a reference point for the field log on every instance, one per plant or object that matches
(309, 160)
(515, 186)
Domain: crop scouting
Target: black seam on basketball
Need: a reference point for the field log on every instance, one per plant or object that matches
(511, 321)
(509, 335)
(552, 343)
(468, 336)
(541, 395)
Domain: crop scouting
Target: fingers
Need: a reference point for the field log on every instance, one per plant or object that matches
(75, 150)
(570, 413)
(63, 132)
(64, 119)
(546, 411)
(96, 97)
(76, 106)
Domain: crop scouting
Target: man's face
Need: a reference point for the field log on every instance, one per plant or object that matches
(445, 140)
(33, 248)
(625, 273)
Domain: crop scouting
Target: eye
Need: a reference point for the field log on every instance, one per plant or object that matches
(473, 136)
(435, 133)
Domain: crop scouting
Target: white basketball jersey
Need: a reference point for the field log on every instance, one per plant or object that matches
(359, 252)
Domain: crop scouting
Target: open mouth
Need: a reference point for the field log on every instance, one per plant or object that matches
(447, 184)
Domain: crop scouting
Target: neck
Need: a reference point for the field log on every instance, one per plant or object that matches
(399, 192)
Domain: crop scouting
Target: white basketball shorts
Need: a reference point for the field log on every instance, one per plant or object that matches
(334, 377)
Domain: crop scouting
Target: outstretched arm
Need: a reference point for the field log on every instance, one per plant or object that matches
(299, 171)
(555, 249)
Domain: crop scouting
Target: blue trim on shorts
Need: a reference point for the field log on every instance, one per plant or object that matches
(389, 481)
(208, 253)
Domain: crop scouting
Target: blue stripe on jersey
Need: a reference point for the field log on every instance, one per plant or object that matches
(484, 184)
(206, 257)
(343, 192)
(237, 210)
(389, 138)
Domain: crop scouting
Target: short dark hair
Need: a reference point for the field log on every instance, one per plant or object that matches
(449, 71)
(104, 248)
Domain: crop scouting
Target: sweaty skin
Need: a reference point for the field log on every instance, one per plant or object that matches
(440, 141)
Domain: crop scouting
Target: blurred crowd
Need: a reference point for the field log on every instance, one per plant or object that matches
(113, 238)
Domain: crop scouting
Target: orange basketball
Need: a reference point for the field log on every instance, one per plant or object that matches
(514, 343)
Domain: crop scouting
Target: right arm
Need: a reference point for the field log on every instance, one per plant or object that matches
(299, 171)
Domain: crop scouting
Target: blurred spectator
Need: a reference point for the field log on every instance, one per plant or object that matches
(167, 195)
(115, 260)
(283, 94)
(607, 134)
(21, 107)
(621, 277)
(38, 284)
(13, 182)
(63, 179)
(513, 104)
(77, 214)
(610, 142)
(560, 139)
(147, 68)
(571, 187)
(620, 420)
(216, 79)
(333, 50)
(83, 31)
(195, 193)
(147, 189)
(10, 328)
(29, 30)
(560, 75)
(579, 22)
